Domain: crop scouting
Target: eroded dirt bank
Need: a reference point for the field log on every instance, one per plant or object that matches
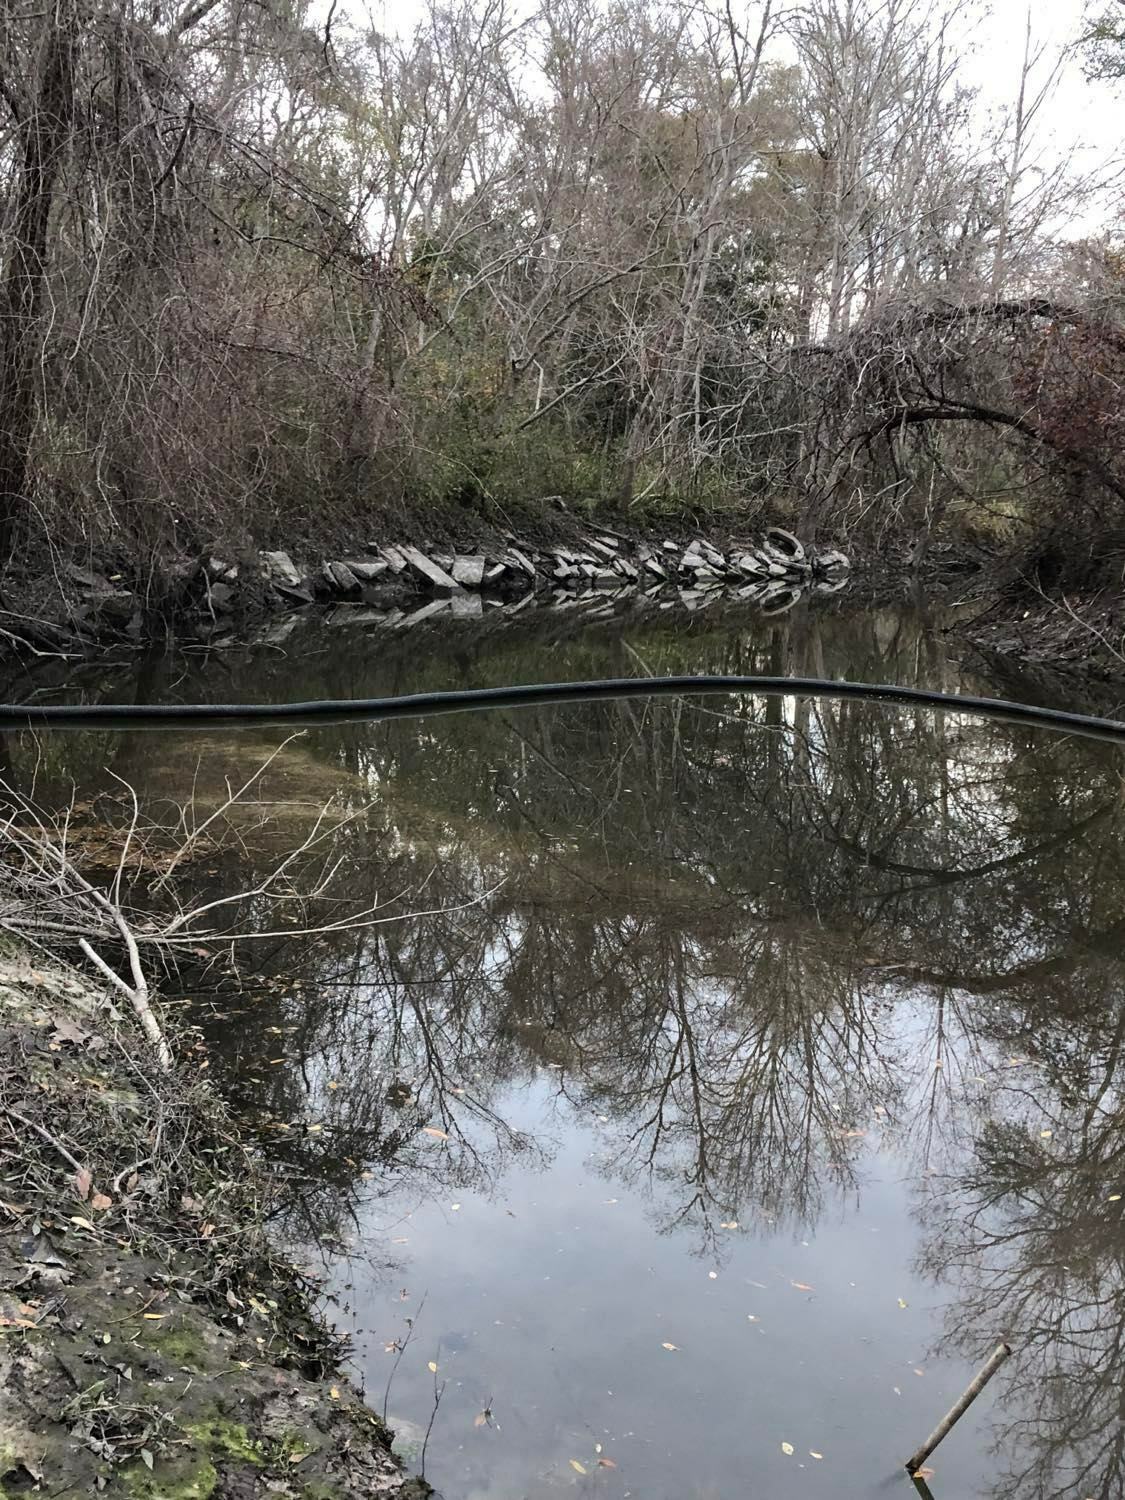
(154, 1341)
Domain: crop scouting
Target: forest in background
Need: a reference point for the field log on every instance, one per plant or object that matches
(271, 276)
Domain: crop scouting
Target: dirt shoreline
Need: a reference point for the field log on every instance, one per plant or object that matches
(154, 1343)
(81, 608)
(82, 602)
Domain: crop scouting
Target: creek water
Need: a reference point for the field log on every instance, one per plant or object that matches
(715, 1082)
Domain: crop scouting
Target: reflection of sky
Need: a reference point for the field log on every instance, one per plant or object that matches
(674, 875)
(555, 1294)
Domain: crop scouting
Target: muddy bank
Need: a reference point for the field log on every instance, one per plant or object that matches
(1079, 635)
(154, 1342)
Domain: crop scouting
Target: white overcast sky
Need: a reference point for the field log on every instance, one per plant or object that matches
(1087, 119)
(1089, 115)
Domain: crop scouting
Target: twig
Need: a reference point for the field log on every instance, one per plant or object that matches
(960, 1407)
(51, 1140)
(439, 1392)
(411, 1323)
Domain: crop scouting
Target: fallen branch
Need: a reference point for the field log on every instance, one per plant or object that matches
(46, 1135)
(959, 1408)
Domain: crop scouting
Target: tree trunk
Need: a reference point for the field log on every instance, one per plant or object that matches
(43, 134)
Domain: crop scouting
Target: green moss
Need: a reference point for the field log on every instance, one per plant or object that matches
(183, 1345)
(193, 1475)
(220, 1438)
(190, 1478)
(289, 1445)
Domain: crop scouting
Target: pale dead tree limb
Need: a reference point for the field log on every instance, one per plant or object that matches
(137, 995)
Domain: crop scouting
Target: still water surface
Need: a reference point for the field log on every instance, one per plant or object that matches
(756, 1066)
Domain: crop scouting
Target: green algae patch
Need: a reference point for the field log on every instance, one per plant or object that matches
(185, 1478)
(220, 1437)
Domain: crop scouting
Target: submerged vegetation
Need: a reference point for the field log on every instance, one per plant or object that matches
(275, 276)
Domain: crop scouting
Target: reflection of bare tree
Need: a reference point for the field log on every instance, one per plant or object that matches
(1030, 1235)
(742, 932)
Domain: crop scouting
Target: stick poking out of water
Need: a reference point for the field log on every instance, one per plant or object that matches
(960, 1407)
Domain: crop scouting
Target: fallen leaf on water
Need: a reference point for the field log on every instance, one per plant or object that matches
(439, 1135)
(577, 1467)
(712, 1275)
(752, 1318)
(480, 1419)
(802, 1286)
(896, 1390)
(606, 1463)
(902, 1303)
(432, 1367)
(787, 1449)
(402, 1240)
(670, 1346)
(814, 1454)
(454, 1208)
(917, 1371)
(730, 1224)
